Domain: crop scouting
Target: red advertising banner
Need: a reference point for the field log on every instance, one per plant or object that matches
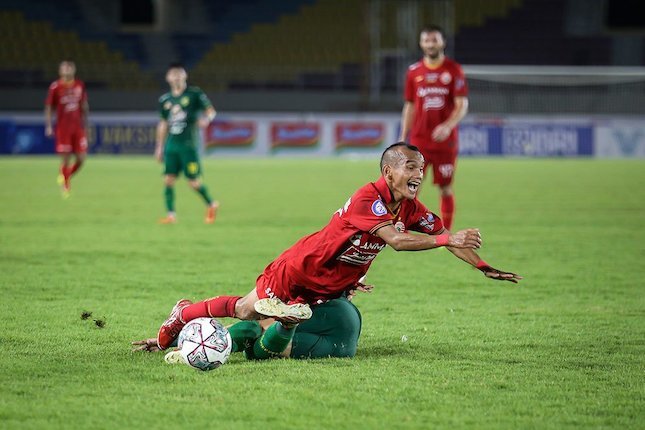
(359, 134)
(295, 134)
(230, 133)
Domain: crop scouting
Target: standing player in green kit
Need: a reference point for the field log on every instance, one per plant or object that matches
(183, 110)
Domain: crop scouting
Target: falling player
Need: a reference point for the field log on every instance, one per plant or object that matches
(68, 96)
(435, 101)
(326, 264)
(178, 139)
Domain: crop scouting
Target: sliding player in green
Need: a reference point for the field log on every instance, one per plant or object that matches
(332, 331)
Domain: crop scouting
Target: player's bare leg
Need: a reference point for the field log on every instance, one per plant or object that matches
(80, 159)
(63, 175)
(169, 193)
(211, 205)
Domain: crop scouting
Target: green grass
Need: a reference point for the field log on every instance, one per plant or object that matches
(565, 349)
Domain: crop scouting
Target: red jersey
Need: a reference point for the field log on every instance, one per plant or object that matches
(332, 260)
(433, 92)
(68, 99)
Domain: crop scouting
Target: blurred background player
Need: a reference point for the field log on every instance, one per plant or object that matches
(435, 102)
(178, 138)
(68, 96)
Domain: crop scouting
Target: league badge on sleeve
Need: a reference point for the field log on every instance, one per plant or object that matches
(378, 208)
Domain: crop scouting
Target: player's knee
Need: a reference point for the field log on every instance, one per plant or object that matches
(169, 181)
(195, 185)
(446, 190)
(245, 310)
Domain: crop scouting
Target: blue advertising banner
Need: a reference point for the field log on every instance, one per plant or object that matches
(260, 134)
(526, 140)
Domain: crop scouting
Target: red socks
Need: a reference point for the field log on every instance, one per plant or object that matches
(67, 171)
(74, 168)
(222, 306)
(447, 210)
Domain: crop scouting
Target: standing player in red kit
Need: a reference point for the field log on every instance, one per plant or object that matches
(67, 95)
(324, 265)
(435, 101)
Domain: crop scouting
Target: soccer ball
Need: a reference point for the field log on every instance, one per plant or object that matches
(204, 344)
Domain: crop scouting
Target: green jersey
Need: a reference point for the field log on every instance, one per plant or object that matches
(182, 113)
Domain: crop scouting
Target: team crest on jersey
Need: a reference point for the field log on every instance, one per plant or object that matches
(399, 226)
(378, 208)
(184, 101)
(431, 77)
(445, 78)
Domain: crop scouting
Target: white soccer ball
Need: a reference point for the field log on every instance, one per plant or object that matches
(204, 344)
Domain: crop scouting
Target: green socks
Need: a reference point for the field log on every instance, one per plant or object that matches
(169, 194)
(204, 193)
(274, 340)
(244, 334)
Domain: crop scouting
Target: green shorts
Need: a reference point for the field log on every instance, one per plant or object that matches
(332, 331)
(182, 158)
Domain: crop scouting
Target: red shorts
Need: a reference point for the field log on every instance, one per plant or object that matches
(275, 281)
(279, 280)
(443, 161)
(71, 141)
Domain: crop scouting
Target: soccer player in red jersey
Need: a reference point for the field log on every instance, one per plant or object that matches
(435, 101)
(324, 265)
(68, 96)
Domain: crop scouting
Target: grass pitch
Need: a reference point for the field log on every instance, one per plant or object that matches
(565, 349)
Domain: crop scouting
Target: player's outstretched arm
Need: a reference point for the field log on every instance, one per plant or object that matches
(472, 258)
(469, 238)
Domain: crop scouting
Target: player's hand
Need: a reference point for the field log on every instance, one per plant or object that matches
(49, 131)
(359, 286)
(159, 154)
(469, 238)
(441, 133)
(500, 275)
(148, 345)
(203, 122)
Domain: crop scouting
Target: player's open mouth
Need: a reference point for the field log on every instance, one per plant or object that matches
(413, 186)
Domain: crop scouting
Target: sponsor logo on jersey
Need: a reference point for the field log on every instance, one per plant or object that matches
(399, 226)
(378, 208)
(363, 248)
(445, 78)
(425, 91)
(359, 134)
(460, 83)
(431, 77)
(418, 79)
(433, 102)
(230, 133)
(294, 134)
(427, 221)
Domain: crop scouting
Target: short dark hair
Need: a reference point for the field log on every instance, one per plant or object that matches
(433, 27)
(394, 146)
(176, 65)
